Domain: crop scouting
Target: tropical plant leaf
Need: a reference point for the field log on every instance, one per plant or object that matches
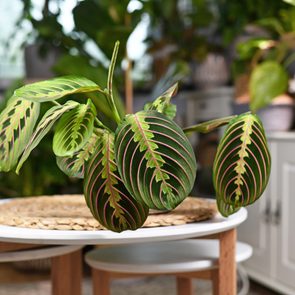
(242, 164)
(56, 88)
(105, 194)
(45, 124)
(208, 126)
(268, 80)
(155, 159)
(162, 104)
(17, 122)
(74, 129)
(75, 166)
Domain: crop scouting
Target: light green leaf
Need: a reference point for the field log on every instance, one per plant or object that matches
(74, 129)
(56, 88)
(17, 122)
(268, 80)
(50, 117)
(75, 166)
(292, 2)
(163, 104)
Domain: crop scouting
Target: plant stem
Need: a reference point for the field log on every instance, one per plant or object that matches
(56, 103)
(110, 83)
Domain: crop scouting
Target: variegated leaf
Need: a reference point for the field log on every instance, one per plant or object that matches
(162, 104)
(242, 164)
(74, 129)
(45, 124)
(105, 194)
(155, 159)
(17, 122)
(75, 166)
(56, 88)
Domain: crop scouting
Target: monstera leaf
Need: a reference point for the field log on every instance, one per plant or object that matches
(56, 88)
(75, 166)
(242, 164)
(17, 122)
(105, 193)
(155, 159)
(74, 129)
(44, 126)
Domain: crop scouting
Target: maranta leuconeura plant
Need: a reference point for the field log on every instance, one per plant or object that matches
(145, 162)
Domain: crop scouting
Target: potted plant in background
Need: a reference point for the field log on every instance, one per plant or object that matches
(145, 162)
(269, 70)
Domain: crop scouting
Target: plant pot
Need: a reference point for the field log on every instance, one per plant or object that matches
(278, 117)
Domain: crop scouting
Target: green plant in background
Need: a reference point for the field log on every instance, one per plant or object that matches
(145, 162)
(269, 57)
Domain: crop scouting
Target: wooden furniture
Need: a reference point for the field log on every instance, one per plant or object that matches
(270, 226)
(222, 228)
(184, 259)
(64, 259)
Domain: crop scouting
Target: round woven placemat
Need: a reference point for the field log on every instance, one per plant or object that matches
(70, 212)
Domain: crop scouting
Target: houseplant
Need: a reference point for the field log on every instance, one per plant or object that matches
(269, 62)
(145, 162)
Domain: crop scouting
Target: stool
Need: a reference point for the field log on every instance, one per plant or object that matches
(66, 262)
(184, 259)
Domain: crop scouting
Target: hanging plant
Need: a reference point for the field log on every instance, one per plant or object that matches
(146, 162)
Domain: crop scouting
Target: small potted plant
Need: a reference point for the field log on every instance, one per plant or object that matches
(269, 59)
(145, 162)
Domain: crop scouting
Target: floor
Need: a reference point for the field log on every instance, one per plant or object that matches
(16, 281)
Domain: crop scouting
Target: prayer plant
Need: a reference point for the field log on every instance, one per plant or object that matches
(146, 162)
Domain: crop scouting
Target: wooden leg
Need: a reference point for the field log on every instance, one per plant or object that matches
(215, 282)
(227, 277)
(66, 274)
(184, 286)
(100, 282)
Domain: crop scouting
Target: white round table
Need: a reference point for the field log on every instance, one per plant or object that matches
(224, 229)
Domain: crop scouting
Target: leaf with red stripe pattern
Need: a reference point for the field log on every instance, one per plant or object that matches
(242, 164)
(155, 159)
(105, 194)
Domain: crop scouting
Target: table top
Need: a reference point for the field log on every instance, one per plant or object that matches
(106, 237)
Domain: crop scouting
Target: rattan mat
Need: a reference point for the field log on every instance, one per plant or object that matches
(69, 212)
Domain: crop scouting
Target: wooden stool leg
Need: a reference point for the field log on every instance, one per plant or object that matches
(66, 274)
(184, 286)
(227, 276)
(100, 282)
(215, 282)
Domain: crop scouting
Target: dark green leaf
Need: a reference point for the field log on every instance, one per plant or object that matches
(105, 194)
(155, 159)
(242, 164)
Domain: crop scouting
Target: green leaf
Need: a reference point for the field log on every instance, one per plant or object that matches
(268, 80)
(56, 88)
(17, 122)
(74, 129)
(75, 166)
(162, 104)
(49, 118)
(208, 126)
(155, 159)
(105, 194)
(292, 2)
(242, 164)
